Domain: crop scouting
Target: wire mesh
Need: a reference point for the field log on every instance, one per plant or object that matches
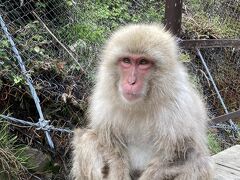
(211, 19)
(224, 66)
(215, 20)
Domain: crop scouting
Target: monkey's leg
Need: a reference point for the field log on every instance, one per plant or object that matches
(194, 167)
(92, 162)
(197, 167)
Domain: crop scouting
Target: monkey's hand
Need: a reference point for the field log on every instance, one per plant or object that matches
(93, 161)
(156, 170)
(118, 167)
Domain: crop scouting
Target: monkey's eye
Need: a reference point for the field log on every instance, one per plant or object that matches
(143, 62)
(126, 60)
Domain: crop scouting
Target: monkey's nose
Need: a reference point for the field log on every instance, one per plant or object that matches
(132, 80)
(132, 83)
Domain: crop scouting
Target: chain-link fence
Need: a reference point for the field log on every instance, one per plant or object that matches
(215, 20)
(211, 19)
(224, 66)
(59, 42)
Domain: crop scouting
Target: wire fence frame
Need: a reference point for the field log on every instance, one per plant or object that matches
(42, 123)
(233, 126)
(173, 15)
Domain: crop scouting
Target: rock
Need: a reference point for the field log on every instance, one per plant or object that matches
(39, 160)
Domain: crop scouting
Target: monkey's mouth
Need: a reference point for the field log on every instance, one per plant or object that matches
(131, 96)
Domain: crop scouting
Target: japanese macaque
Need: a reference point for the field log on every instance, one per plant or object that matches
(146, 120)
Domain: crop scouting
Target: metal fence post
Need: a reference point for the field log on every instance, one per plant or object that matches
(173, 15)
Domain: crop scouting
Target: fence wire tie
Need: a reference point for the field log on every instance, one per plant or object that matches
(44, 125)
(179, 40)
(223, 126)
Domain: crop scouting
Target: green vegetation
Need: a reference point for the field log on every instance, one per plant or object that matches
(97, 19)
(210, 28)
(213, 144)
(13, 161)
(211, 19)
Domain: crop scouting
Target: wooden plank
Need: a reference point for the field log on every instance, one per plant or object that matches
(225, 117)
(225, 173)
(209, 43)
(228, 164)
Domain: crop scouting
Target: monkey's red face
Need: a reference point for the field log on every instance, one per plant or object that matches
(134, 70)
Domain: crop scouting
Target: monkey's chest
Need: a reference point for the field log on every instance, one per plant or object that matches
(140, 155)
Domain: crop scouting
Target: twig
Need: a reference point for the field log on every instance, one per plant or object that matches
(204, 74)
(58, 41)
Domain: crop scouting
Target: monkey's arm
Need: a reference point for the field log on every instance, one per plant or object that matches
(91, 161)
(192, 165)
(87, 161)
